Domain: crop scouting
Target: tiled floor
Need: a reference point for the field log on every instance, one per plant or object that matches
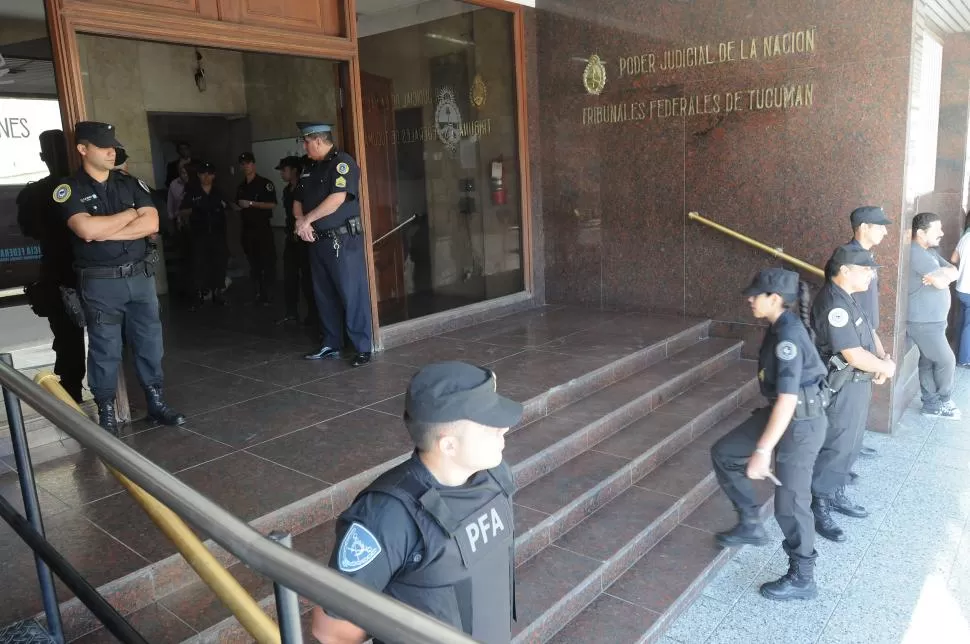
(903, 576)
(266, 428)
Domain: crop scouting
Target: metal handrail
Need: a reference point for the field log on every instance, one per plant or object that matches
(777, 252)
(381, 616)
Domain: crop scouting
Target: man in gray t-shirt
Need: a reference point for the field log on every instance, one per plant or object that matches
(930, 277)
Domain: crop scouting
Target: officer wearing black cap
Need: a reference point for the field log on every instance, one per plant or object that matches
(792, 376)
(436, 532)
(868, 230)
(845, 341)
(207, 215)
(296, 252)
(40, 218)
(327, 211)
(111, 215)
(256, 197)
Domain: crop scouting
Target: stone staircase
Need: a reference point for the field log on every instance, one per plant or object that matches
(614, 513)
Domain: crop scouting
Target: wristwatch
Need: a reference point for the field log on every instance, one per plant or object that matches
(763, 450)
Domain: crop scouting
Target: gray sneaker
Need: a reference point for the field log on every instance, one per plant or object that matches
(945, 410)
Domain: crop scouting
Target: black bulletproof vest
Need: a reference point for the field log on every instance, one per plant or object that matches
(464, 575)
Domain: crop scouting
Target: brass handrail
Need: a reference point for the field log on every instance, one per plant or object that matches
(776, 252)
(223, 584)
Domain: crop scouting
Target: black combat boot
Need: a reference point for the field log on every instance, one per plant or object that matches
(106, 416)
(825, 525)
(748, 531)
(843, 505)
(159, 410)
(797, 583)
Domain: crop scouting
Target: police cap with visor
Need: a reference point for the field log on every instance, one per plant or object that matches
(774, 280)
(851, 255)
(100, 135)
(448, 391)
(869, 215)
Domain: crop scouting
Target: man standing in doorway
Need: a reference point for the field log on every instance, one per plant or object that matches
(112, 215)
(256, 198)
(327, 213)
(185, 156)
(296, 252)
(930, 277)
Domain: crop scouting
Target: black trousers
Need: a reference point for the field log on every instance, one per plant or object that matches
(847, 414)
(260, 249)
(341, 291)
(209, 261)
(297, 277)
(109, 304)
(68, 350)
(794, 459)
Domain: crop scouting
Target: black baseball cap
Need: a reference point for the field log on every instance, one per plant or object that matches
(98, 134)
(444, 392)
(204, 167)
(289, 162)
(246, 157)
(869, 215)
(852, 255)
(774, 280)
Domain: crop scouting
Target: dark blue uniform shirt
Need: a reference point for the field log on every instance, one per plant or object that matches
(338, 172)
(839, 322)
(209, 211)
(788, 360)
(81, 193)
(260, 190)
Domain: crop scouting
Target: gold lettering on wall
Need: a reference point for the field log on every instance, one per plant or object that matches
(780, 97)
(799, 41)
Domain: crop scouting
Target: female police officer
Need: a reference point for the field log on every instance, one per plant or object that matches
(792, 378)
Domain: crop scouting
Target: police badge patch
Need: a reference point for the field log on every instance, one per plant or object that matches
(786, 350)
(270, 187)
(358, 548)
(342, 168)
(62, 193)
(838, 318)
(340, 182)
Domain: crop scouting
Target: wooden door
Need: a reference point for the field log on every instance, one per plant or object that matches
(381, 154)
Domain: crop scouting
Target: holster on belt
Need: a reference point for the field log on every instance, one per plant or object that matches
(812, 402)
(72, 304)
(840, 372)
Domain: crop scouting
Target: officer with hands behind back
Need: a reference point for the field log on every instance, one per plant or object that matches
(791, 375)
(436, 532)
(112, 215)
(326, 207)
(847, 344)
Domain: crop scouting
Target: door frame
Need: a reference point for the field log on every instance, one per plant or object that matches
(196, 23)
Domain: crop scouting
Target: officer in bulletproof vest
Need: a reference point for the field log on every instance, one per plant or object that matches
(256, 199)
(436, 532)
(326, 207)
(207, 211)
(845, 341)
(39, 218)
(111, 215)
(792, 428)
(296, 252)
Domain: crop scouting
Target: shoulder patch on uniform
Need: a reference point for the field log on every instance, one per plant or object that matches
(340, 182)
(144, 186)
(270, 186)
(343, 168)
(838, 318)
(62, 193)
(358, 548)
(786, 350)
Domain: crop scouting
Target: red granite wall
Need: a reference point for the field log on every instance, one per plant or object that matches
(782, 119)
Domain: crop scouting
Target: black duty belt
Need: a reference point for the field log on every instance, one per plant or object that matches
(862, 376)
(339, 231)
(113, 272)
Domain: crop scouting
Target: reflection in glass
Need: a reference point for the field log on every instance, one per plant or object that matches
(438, 86)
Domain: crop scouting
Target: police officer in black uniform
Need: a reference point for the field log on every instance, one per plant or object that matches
(296, 252)
(846, 343)
(111, 215)
(436, 531)
(207, 217)
(327, 211)
(256, 198)
(791, 375)
(40, 218)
